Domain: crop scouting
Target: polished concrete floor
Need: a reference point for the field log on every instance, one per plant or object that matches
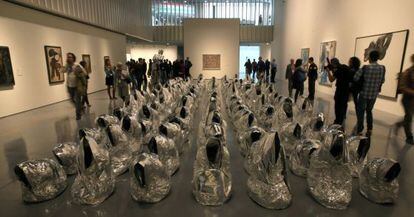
(32, 135)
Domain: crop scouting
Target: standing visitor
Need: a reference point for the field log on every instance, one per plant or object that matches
(298, 78)
(267, 70)
(248, 66)
(373, 76)
(354, 66)
(188, 66)
(261, 66)
(406, 87)
(85, 96)
(290, 69)
(273, 71)
(144, 74)
(343, 77)
(254, 67)
(312, 77)
(76, 82)
(123, 80)
(109, 79)
(182, 69)
(176, 68)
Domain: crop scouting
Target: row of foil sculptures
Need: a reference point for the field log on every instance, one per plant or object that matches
(212, 182)
(135, 137)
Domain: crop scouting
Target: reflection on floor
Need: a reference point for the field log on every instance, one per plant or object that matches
(32, 135)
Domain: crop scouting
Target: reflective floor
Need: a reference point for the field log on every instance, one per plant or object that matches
(32, 135)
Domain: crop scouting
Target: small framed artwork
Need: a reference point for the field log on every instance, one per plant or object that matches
(54, 64)
(211, 61)
(87, 59)
(6, 69)
(304, 55)
(328, 51)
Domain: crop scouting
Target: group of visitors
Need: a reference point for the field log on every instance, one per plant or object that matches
(363, 84)
(263, 71)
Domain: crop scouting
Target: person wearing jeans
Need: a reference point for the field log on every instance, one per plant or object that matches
(373, 76)
(407, 89)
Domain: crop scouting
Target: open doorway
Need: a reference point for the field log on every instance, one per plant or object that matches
(247, 52)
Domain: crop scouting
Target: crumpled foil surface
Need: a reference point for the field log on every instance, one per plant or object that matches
(95, 181)
(149, 179)
(372, 182)
(41, 180)
(167, 152)
(299, 160)
(66, 154)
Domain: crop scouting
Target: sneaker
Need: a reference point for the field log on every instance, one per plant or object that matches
(410, 141)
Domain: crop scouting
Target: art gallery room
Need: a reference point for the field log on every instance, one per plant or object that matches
(208, 108)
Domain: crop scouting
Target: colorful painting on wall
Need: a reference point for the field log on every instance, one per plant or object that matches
(87, 59)
(211, 61)
(304, 55)
(328, 50)
(54, 63)
(392, 48)
(6, 69)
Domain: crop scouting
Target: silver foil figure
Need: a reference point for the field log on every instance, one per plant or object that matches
(291, 134)
(378, 180)
(66, 154)
(285, 113)
(313, 127)
(136, 132)
(250, 137)
(357, 148)
(95, 181)
(165, 148)
(104, 121)
(211, 177)
(267, 184)
(329, 176)
(299, 160)
(149, 179)
(41, 180)
(120, 150)
(174, 132)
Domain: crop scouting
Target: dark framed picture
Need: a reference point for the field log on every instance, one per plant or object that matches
(392, 48)
(211, 62)
(87, 59)
(6, 69)
(54, 64)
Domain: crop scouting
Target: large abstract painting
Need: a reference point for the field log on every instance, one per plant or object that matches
(87, 59)
(211, 61)
(54, 64)
(6, 70)
(328, 50)
(392, 47)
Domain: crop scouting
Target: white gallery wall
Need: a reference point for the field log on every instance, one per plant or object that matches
(26, 32)
(212, 36)
(307, 23)
(147, 51)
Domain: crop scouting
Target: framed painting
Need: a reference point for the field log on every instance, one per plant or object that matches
(87, 59)
(304, 55)
(6, 69)
(392, 47)
(54, 64)
(211, 62)
(328, 51)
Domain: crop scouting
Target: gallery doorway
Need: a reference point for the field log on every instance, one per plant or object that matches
(247, 52)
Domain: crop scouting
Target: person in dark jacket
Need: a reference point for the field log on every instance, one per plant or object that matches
(248, 66)
(261, 66)
(273, 71)
(267, 70)
(312, 77)
(290, 69)
(188, 66)
(341, 74)
(354, 67)
(144, 74)
(299, 77)
(254, 67)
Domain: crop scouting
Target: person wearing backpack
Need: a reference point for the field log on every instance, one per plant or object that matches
(299, 78)
(406, 87)
(340, 73)
(373, 76)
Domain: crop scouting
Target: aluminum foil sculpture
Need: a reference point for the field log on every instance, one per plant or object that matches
(329, 176)
(378, 180)
(120, 150)
(285, 113)
(250, 137)
(40, 180)
(267, 116)
(66, 154)
(174, 132)
(211, 177)
(95, 181)
(357, 148)
(313, 127)
(291, 134)
(167, 152)
(267, 184)
(104, 121)
(149, 179)
(136, 131)
(299, 160)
